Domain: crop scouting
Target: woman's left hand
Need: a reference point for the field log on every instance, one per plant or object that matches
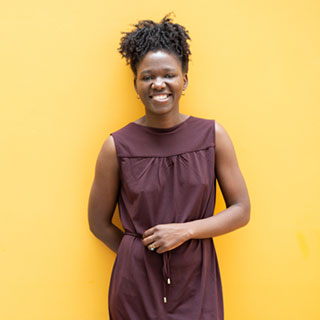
(165, 237)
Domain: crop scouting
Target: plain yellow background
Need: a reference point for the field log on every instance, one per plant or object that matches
(255, 69)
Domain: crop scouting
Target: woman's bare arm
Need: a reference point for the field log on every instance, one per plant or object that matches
(104, 195)
(233, 188)
(237, 214)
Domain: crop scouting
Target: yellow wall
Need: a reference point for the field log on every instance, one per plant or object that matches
(255, 68)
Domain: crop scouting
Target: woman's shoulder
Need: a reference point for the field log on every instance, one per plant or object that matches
(122, 130)
(205, 125)
(202, 120)
(220, 133)
(219, 128)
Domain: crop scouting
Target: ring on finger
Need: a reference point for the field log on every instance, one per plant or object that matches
(152, 247)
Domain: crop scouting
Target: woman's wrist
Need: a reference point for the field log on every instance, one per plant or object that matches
(188, 231)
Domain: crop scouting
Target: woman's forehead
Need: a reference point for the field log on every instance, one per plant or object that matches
(159, 59)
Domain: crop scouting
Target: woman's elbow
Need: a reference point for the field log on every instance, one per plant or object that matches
(246, 214)
(96, 226)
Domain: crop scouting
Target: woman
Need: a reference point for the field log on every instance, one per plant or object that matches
(161, 170)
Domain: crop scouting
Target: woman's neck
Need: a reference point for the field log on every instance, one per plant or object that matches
(161, 121)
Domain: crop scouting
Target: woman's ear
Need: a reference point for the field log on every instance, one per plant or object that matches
(135, 87)
(185, 81)
(135, 83)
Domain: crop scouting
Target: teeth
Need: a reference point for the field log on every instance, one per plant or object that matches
(160, 97)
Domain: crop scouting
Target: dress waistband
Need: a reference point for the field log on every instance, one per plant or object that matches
(165, 265)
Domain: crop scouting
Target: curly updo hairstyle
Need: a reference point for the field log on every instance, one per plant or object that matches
(150, 36)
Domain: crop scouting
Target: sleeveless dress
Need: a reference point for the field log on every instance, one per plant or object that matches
(167, 175)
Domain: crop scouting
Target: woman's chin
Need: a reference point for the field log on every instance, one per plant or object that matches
(158, 108)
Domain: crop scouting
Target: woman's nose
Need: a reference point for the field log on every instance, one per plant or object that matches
(158, 83)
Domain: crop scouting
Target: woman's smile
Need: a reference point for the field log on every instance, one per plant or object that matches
(160, 97)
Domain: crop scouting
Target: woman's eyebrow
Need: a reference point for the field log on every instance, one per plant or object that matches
(168, 69)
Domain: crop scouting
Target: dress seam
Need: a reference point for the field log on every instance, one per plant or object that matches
(171, 155)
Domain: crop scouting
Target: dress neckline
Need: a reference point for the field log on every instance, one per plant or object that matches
(154, 129)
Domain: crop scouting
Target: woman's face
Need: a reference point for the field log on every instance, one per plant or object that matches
(159, 82)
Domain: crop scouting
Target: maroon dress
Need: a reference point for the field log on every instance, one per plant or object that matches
(167, 176)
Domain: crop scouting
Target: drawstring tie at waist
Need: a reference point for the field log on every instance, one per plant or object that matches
(165, 265)
(166, 273)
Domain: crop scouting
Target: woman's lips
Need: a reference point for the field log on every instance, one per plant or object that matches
(160, 97)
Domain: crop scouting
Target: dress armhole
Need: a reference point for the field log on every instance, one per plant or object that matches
(214, 133)
(117, 151)
(214, 148)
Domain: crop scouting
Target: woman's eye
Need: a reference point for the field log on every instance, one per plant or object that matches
(169, 76)
(146, 78)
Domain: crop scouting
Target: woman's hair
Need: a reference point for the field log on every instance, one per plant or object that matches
(150, 36)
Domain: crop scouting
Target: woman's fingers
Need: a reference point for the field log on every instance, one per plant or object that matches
(148, 240)
(152, 246)
(148, 233)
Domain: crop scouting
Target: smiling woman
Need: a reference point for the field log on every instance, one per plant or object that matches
(161, 170)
